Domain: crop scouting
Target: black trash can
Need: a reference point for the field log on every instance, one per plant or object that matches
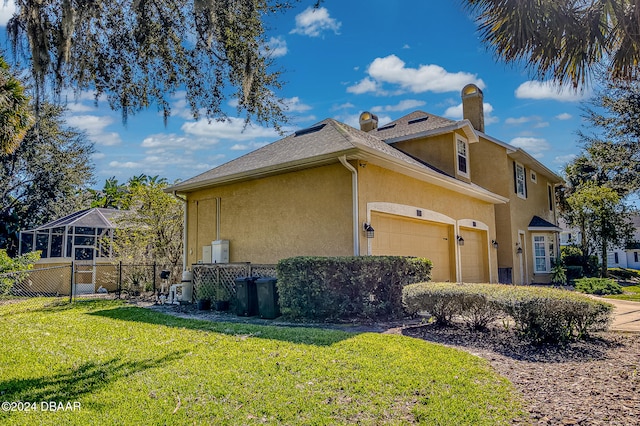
(246, 297)
(268, 306)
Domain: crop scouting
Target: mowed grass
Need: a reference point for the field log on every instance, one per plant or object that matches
(631, 293)
(127, 365)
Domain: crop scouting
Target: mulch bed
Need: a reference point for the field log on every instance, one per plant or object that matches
(592, 382)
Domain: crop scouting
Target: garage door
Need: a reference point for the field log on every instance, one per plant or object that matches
(400, 236)
(473, 256)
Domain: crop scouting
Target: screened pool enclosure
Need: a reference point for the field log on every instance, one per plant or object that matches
(82, 239)
(82, 236)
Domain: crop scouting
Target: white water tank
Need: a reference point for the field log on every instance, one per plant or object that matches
(220, 251)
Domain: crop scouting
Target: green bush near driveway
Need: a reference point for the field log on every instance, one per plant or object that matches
(599, 286)
(539, 314)
(344, 288)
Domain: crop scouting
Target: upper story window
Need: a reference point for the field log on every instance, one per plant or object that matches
(520, 179)
(462, 154)
(534, 177)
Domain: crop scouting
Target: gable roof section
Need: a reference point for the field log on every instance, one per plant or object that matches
(419, 124)
(539, 224)
(322, 144)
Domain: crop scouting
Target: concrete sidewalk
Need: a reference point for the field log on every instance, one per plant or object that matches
(626, 315)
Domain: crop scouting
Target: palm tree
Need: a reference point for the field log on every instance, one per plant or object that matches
(563, 39)
(15, 114)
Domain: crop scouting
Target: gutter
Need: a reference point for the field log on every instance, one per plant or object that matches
(184, 229)
(356, 216)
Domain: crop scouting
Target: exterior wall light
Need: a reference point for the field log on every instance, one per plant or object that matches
(368, 229)
(519, 249)
(460, 240)
(494, 243)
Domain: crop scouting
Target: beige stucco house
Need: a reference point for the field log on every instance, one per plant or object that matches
(420, 186)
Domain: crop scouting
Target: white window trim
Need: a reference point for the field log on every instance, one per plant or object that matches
(466, 156)
(534, 176)
(522, 195)
(547, 254)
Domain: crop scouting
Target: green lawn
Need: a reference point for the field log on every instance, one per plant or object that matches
(631, 293)
(127, 365)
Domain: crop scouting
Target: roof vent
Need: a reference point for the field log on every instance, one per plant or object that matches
(368, 121)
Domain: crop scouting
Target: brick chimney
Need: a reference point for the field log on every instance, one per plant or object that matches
(472, 108)
(368, 121)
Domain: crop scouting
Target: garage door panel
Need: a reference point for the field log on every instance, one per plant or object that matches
(399, 236)
(473, 256)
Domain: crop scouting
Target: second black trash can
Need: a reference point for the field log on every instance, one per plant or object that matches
(246, 296)
(268, 306)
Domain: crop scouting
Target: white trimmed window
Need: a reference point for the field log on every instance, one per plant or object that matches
(541, 254)
(520, 177)
(462, 154)
(534, 177)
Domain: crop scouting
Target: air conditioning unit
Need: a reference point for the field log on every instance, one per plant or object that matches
(220, 251)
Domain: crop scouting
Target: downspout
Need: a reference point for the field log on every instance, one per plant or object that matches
(218, 200)
(356, 216)
(184, 229)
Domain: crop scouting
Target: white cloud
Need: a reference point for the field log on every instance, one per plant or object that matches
(6, 12)
(162, 140)
(314, 21)
(564, 159)
(231, 129)
(424, 78)
(247, 146)
(534, 146)
(125, 165)
(564, 116)
(455, 113)
(294, 105)
(95, 127)
(98, 155)
(276, 47)
(400, 106)
(521, 120)
(346, 105)
(549, 90)
(365, 85)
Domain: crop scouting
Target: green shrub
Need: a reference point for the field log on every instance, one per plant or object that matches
(540, 314)
(12, 269)
(331, 288)
(574, 272)
(599, 286)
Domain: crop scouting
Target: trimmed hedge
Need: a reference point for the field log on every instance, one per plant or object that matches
(342, 288)
(540, 314)
(599, 286)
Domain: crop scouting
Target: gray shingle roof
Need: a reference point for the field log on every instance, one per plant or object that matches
(324, 139)
(416, 122)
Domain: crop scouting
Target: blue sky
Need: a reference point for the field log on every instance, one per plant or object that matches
(388, 57)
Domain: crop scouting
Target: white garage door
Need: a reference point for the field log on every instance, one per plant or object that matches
(473, 256)
(400, 236)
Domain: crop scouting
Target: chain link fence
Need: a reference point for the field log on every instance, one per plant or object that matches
(68, 282)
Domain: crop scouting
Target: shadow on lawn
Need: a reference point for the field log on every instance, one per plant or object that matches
(292, 334)
(86, 379)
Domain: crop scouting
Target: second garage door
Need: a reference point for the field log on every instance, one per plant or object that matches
(400, 236)
(473, 256)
